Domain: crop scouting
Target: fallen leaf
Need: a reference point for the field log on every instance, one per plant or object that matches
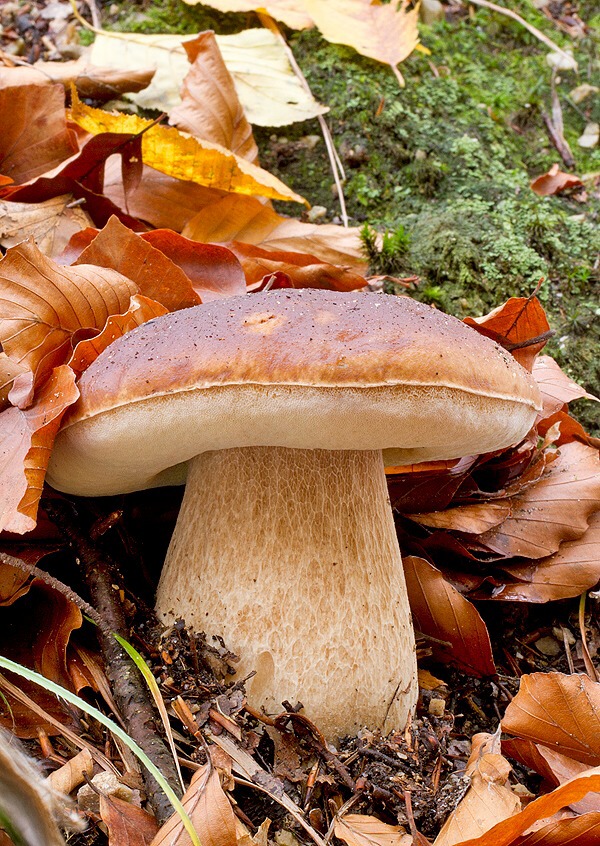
(554, 510)
(127, 825)
(213, 271)
(555, 386)
(9, 370)
(441, 612)
(364, 830)
(93, 82)
(296, 270)
(559, 711)
(290, 12)
(184, 157)
(141, 310)
(583, 831)
(568, 572)
(26, 443)
(51, 224)
(210, 811)
(387, 33)
(474, 519)
(43, 305)
(555, 181)
(517, 321)
(269, 90)
(66, 778)
(235, 217)
(36, 137)
(150, 271)
(209, 106)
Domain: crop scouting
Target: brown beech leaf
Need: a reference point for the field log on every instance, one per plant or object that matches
(93, 82)
(141, 310)
(429, 485)
(9, 370)
(153, 273)
(474, 519)
(235, 217)
(554, 182)
(517, 321)
(27, 438)
(440, 611)
(41, 647)
(387, 33)
(209, 809)
(301, 269)
(127, 825)
(36, 137)
(42, 305)
(365, 830)
(507, 833)
(556, 387)
(214, 271)
(559, 711)
(569, 572)
(489, 800)
(210, 107)
(164, 202)
(554, 510)
(51, 224)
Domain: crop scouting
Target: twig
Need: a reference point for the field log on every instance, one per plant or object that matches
(337, 167)
(131, 694)
(559, 142)
(529, 27)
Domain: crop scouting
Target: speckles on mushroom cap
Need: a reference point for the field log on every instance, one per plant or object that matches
(300, 337)
(296, 369)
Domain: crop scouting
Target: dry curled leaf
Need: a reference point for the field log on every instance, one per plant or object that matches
(556, 388)
(51, 223)
(93, 82)
(209, 107)
(517, 321)
(440, 611)
(185, 157)
(127, 825)
(554, 182)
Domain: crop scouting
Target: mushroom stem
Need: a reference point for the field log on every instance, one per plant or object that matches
(292, 557)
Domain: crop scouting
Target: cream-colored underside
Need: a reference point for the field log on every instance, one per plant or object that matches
(291, 556)
(148, 443)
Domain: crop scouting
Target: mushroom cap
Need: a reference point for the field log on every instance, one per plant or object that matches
(305, 369)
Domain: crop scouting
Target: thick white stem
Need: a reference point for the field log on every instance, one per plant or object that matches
(292, 557)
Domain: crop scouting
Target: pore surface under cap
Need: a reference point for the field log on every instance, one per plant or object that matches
(303, 369)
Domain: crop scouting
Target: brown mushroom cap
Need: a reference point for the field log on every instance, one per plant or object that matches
(305, 369)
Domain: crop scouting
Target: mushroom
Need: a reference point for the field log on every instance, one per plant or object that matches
(279, 405)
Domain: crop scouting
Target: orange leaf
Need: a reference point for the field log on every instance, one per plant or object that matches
(440, 611)
(44, 304)
(559, 711)
(554, 182)
(210, 107)
(387, 33)
(556, 388)
(140, 311)
(554, 510)
(518, 320)
(127, 825)
(36, 138)
(210, 811)
(27, 438)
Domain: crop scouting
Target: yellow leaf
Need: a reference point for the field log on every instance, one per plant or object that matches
(387, 33)
(269, 90)
(290, 12)
(184, 157)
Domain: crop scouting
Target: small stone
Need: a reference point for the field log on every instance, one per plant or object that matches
(316, 213)
(431, 11)
(437, 707)
(548, 646)
(563, 634)
(590, 136)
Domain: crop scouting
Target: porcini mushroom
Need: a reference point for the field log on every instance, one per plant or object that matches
(279, 404)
